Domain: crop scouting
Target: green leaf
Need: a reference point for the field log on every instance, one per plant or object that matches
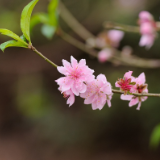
(155, 137)
(53, 13)
(25, 19)
(52, 6)
(12, 43)
(48, 31)
(12, 35)
(39, 18)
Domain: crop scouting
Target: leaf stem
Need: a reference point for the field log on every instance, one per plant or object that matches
(45, 58)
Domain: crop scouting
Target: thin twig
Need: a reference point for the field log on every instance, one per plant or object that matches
(123, 27)
(137, 94)
(45, 58)
(74, 24)
(113, 90)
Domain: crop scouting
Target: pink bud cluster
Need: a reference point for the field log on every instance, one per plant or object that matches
(80, 81)
(130, 84)
(147, 29)
(111, 38)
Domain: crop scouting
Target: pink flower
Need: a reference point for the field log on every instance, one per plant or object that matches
(115, 37)
(76, 76)
(147, 29)
(104, 55)
(98, 92)
(127, 83)
(141, 87)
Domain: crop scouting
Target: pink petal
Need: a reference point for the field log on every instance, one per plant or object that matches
(117, 85)
(141, 78)
(82, 62)
(83, 88)
(74, 62)
(126, 97)
(102, 78)
(145, 15)
(147, 40)
(71, 100)
(62, 70)
(74, 90)
(128, 74)
(109, 103)
(139, 105)
(133, 102)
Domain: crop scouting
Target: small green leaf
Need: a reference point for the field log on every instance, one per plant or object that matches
(25, 19)
(12, 43)
(132, 83)
(155, 137)
(48, 31)
(12, 35)
(39, 18)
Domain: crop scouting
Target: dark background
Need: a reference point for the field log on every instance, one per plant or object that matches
(36, 123)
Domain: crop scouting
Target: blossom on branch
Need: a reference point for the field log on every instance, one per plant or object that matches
(147, 29)
(98, 92)
(76, 75)
(140, 87)
(127, 83)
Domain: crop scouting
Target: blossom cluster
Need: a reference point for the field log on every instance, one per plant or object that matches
(108, 39)
(147, 29)
(129, 85)
(79, 80)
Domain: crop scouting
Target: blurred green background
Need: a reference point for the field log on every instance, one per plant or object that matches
(36, 123)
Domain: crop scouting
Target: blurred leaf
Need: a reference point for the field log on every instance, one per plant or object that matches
(12, 35)
(25, 19)
(52, 11)
(12, 43)
(155, 137)
(39, 18)
(48, 31)
(52, 6)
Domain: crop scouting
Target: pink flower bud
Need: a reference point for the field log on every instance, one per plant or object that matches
(145, 16)
(115, 37)
(104, 55)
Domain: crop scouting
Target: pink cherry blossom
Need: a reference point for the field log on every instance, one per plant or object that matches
(141, 87)
(98, 92)
(147, 29)
(76, 76)
(127, 83)
(115, 37)
(104, 55)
